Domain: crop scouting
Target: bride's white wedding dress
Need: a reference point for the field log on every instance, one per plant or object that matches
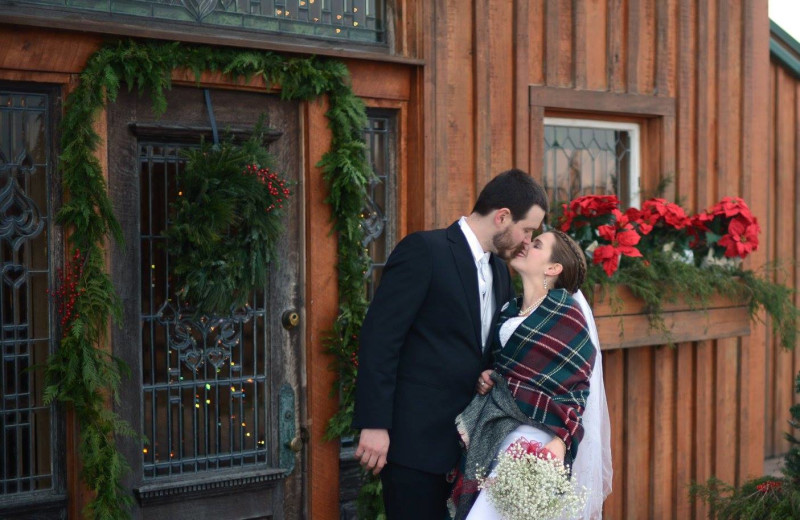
(592, 467)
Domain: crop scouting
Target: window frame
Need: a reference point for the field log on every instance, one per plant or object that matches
(391, 213)
(50, 502)
(56, 17)
(654, 114)
(634, 129)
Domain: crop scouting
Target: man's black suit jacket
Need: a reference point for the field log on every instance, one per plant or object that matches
(420, 352)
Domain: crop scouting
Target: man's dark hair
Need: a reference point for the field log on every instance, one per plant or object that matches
(513, 189)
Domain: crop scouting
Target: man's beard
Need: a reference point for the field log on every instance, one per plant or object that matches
(504, 245)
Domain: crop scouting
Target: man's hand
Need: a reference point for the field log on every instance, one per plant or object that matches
(372, 449)
(485, 382)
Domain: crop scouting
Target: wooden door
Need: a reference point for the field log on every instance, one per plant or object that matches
(217, 417)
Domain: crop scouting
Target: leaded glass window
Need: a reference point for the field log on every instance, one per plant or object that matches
(204, 378)
(587, 157)
(354, 20)
(379, 214)
(26, 423)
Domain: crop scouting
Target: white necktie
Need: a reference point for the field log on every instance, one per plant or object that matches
(485, 288)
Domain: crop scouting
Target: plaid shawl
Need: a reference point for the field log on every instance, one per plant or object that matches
(545, 368)
(482, 426)
(547, 362)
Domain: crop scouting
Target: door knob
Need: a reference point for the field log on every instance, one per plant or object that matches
(296, 444)
(290, 319)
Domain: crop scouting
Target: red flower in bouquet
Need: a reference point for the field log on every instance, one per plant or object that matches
(524, 447)
(622, 237)
(742, 238)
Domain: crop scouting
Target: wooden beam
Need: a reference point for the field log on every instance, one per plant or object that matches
(589, 101)
(635, 330)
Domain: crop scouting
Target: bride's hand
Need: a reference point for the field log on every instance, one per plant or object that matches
(557, 447)
(485, 382)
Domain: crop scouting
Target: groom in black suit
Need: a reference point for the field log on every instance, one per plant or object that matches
(425, 341)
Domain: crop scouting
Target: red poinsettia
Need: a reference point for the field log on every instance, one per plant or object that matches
(635, 216)
(659, 211)
(622, 238)
(728, 227)
(583, 210)
(732, 207)
(742, 238)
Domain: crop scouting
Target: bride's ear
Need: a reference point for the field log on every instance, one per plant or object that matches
(554, 269)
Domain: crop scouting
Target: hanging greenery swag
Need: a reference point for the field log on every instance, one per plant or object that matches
(83, 373)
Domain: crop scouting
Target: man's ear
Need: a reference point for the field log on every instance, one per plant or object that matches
(502, 217)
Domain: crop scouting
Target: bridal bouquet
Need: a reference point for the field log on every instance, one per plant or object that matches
(529, 483)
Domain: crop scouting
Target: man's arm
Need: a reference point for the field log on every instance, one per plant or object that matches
(402, 290)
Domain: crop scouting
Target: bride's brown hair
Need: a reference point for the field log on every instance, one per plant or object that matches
(569, 254)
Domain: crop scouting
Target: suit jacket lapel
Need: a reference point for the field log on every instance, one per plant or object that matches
(498, 284)
(465, 264)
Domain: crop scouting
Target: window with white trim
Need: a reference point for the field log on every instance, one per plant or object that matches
(590, 157)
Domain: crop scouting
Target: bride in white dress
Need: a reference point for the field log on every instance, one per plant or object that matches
(591, 466)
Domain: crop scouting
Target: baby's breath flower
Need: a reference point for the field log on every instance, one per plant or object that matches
(529, 484)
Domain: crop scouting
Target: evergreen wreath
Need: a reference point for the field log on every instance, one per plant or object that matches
(227, 220)
(81, 373)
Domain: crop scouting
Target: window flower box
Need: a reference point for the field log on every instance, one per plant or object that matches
(623, 321)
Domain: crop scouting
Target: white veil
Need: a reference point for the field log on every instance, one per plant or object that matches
(592, 466)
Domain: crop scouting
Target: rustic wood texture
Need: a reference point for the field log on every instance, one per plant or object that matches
(781, 228)
(635, 330)
(622, 320)
(692, 74)
(755, 67)
(321, 296)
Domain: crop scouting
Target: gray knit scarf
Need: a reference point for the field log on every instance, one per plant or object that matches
(483, 425)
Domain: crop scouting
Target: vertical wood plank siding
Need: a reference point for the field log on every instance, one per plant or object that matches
(697, 410)
(781, 229)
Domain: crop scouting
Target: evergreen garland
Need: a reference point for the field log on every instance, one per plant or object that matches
(82, 373)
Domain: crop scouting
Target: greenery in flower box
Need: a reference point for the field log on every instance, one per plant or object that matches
(662, 254)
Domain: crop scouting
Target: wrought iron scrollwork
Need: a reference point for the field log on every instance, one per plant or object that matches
(372, 221)
(20, 219)
(204, 338)
(199, 9)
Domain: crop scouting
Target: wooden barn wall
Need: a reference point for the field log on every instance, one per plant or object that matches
(678, 414)
(780, 230)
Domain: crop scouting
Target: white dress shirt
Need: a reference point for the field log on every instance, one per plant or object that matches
(485, 279)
